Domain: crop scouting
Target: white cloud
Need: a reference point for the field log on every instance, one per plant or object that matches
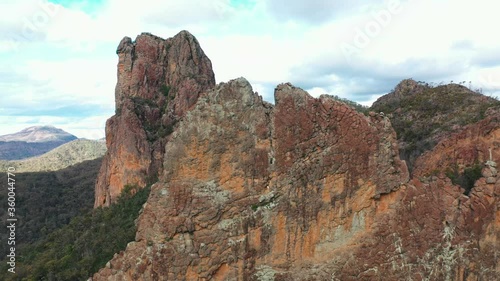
(82, 81)
(315, 11)
(317, 91)
(65, 60)
(260, 58)
(64, 88)
(90, 127)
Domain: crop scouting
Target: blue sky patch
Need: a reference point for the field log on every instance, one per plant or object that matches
(87, 6)
(242, 3)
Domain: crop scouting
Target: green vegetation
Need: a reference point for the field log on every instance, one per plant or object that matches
(142, 102)
(86, 244)
(165, 90)
(147, 111)
(358, 107)
(154, 132)
(422, 114)
(467, 178)
(16, 150)
(60, 157)
(46, 201)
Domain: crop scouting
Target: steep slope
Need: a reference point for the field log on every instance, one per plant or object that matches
(473, 147)
(423, 115)
(158, 81)
(32, 141)
(60, 157)
(47, 200)
(75, 251)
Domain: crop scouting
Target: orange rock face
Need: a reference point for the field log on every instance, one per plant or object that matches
(474, 144)
(306, 189)
(158, 80)
(249, 189)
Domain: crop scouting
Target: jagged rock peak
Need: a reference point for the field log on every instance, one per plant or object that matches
(302, 190)
(405, 88)
(126, 42)
(285, 89)
(243, 90)
(150, 63)
(158, 81)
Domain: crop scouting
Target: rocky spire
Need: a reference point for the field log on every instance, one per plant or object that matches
(158, 80)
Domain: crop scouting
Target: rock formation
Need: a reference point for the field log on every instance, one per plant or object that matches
(245, 182)
(158, 80)
(306, 189)
(423, 115)
(475, 144)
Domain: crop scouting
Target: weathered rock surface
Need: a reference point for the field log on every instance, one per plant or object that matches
(307, 189)
(158, 80)
(475, 144)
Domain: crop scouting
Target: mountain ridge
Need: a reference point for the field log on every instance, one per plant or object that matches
(252, 191)
(63, 156)
(44, 133)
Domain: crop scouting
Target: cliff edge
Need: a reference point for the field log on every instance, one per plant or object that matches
(158, 81)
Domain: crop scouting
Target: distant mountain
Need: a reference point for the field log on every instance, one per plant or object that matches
(60, 157)
(32, 141)
(39, 134)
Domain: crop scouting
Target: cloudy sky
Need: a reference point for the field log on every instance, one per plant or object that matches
(59, 62)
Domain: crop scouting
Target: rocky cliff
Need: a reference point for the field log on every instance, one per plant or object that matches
(308, 189)
(158, 80)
